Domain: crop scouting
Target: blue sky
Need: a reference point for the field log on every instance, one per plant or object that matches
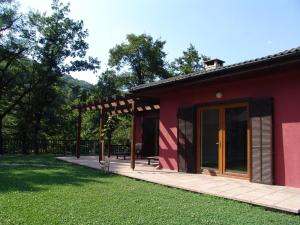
(231, 30)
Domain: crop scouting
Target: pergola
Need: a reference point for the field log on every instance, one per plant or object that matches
(128, 103)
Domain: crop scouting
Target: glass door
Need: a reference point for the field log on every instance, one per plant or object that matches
(236, 150)
(223, 139)
(210, 126)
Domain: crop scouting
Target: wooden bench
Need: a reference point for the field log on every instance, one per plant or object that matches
(124, 154)
(125, 151)
(152, 158)
(120, 150)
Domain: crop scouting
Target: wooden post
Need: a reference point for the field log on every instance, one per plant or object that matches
(101, 139)
(78, 134)
(102, 150)
(133, 132)
(108, 146)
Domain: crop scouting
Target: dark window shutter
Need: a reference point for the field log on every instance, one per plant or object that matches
(186, 143)
(267, 151)
(256, 149)
(261, 140)
(181, 153)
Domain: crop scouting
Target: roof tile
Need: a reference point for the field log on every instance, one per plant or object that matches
(174, 79)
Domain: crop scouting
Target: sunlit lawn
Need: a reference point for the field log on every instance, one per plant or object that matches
(42, 190)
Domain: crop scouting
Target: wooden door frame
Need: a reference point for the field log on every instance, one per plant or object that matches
(222, 147)
(206, 170)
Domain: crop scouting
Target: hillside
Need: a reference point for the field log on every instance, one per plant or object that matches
(73, 82)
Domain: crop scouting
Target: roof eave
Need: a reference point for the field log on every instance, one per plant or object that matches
(221, 72)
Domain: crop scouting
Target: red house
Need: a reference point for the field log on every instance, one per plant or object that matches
(240, 120)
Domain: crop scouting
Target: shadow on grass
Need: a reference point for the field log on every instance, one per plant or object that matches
(28, 178)
(47, 159)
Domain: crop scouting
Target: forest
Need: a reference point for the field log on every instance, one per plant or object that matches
(39, 51)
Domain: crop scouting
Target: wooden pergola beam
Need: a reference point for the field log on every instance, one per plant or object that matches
(115, 103)
(120, 108)
(128, 103)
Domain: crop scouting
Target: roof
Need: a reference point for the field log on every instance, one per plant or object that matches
(206, 74)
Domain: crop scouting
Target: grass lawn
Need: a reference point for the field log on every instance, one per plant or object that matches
(42, 190)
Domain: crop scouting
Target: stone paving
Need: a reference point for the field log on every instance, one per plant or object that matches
(271, 196)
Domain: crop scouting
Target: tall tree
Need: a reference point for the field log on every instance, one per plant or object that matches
(190, 61)
(56, 46)
(60, 45)
(14, 45)
(60, 48)
(143, 56)
(109, 84)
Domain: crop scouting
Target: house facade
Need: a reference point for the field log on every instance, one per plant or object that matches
(241, 120)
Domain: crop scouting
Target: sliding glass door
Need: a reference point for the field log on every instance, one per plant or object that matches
(236, 139)
(210, 126)
(223, 139)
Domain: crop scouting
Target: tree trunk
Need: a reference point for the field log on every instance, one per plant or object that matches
(1, 138)
(36, 134)
(108, 145)
(24, 143)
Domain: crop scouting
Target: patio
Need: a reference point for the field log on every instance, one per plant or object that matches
(270, 196)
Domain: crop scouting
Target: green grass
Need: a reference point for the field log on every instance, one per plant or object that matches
(66, 194)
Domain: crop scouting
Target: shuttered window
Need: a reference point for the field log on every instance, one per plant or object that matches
(261, 140)
(186, 139)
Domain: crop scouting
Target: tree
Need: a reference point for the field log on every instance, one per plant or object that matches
(190, 62)
(54, 45)
(60, 48)
(8, 15)
(14, 44)
(60, 44)
(143, 56)
(109, 84)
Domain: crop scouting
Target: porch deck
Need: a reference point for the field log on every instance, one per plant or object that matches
(270, 196)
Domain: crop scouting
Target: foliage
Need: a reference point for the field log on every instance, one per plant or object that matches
(37, 94)
(108, 127)
(121, 133)
(50, 47)
(109, 85)
(143, 56)
(191, 61)
(42, 190)
(14, 44)
(67, 79)
(60, 47)
(60, 44)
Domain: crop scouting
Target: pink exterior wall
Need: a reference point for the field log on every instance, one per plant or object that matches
(285, 91)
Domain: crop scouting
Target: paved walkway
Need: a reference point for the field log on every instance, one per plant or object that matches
(271, 196)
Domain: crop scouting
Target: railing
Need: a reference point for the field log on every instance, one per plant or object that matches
(118, 150)
(60, 147)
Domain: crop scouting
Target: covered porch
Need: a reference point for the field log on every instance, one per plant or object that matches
(144, 113)
(270, 196)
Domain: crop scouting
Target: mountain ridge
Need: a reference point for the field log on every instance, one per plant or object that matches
(76, 82)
